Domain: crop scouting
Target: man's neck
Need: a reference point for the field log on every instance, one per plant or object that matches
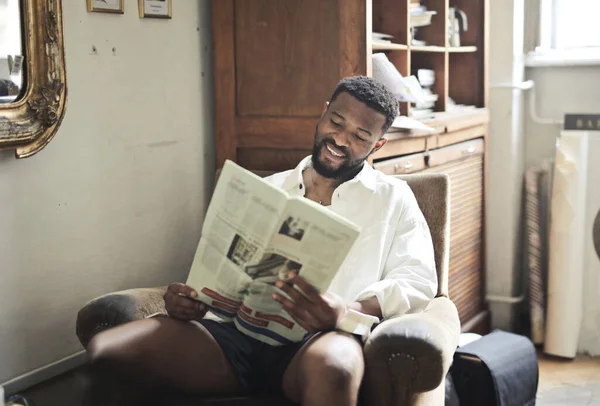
(330, 184)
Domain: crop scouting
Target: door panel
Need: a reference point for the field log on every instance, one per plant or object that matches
(271, 79)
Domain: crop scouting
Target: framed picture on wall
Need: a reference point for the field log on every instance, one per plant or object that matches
(155, 8)
(106, 6)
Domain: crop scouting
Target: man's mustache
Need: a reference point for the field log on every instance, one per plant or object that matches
(332, 141)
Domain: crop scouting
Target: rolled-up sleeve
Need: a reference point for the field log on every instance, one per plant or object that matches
(409, 280)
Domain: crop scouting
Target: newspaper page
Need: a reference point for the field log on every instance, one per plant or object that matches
(253, 235)
(309, 240)
(243, 214)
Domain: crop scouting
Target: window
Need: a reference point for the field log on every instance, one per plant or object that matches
(568, 33)
(569, 24)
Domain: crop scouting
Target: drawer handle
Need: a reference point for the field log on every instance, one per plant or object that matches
(406, 166)
(469, 150)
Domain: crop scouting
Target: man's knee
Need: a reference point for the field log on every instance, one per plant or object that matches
(106, 351)
(106, 376)
(339, 365)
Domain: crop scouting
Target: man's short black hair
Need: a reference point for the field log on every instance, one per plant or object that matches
(372, 93)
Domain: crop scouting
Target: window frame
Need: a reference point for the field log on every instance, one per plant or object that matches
(547, 54)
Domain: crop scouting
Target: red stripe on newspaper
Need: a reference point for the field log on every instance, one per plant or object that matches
(246, 309)
(278, 319)
(252, 320)
(216, 296)
(232, 309)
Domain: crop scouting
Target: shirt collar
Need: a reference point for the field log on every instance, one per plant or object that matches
(366, 176)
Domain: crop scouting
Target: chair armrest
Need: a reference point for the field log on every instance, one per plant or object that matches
(118, 308)
(411, 353)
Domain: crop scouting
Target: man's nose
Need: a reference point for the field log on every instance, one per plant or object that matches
(342, 138)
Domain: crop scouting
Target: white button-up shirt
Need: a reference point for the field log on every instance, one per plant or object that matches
(392, 259)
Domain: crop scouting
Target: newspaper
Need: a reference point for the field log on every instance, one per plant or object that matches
(406, 89)
(253, 235)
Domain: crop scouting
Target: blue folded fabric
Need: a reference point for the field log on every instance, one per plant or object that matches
(500, 369)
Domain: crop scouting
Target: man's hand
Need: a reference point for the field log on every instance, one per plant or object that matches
(313, 311)
(181, 307)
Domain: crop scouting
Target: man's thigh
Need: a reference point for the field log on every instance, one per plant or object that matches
(166, 352)
(324, 356)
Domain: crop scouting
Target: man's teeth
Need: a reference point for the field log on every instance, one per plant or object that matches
(333, 152)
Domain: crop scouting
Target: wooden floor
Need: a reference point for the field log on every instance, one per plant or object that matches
(570, 383)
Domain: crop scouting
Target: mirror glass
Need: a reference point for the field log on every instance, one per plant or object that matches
(11, 54)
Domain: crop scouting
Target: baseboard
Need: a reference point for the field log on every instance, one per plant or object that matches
(480, 324)
(44, 373)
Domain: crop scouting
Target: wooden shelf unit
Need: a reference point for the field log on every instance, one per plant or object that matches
(452, 72)
(427, 48)
(462, 49)
(384, 46)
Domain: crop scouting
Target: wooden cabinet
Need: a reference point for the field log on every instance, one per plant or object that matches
(276, 63)
(405, 164)
(462, 159)
(464, 164)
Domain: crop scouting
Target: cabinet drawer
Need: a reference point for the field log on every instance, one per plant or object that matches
(455, 152)
(405, 164)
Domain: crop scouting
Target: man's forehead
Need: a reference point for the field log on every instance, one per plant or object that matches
(353, 109)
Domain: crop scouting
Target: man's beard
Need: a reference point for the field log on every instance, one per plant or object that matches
(346, 168)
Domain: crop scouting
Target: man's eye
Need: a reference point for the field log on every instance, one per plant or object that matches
(335, 124)
(358, 137)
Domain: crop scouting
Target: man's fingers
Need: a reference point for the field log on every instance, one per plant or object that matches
(293, 294)
(318, 302)
(180, 288)
(183, 302)
(182, 314)
(298, 314)
(201, 313)
(309, 290)
(186, 310)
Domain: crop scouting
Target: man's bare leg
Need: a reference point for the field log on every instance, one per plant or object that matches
(158, 353)
(326, 371)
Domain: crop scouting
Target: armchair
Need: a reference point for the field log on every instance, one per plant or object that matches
(407, 358)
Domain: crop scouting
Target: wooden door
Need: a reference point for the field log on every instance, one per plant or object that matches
(275, 65)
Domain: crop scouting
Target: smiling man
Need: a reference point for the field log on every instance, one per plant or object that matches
(389, 272)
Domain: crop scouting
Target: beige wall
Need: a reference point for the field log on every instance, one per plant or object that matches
(558, 90)
(117, 199)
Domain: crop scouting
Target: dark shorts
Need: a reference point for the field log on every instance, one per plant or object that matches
(258, 366)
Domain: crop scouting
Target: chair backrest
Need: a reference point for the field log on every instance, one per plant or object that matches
(432, 191)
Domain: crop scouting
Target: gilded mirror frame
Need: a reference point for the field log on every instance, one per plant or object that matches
(29, 124)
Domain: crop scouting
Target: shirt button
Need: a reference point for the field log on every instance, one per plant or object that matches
(300, 186)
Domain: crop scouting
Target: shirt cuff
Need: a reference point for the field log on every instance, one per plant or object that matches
(150, 316)
(357, 323)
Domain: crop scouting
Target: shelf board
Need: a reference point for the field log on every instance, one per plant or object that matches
(427, 48)
(458, 50)
(388, 46)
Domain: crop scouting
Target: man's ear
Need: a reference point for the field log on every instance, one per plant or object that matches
(379, 144)
(324, 108)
